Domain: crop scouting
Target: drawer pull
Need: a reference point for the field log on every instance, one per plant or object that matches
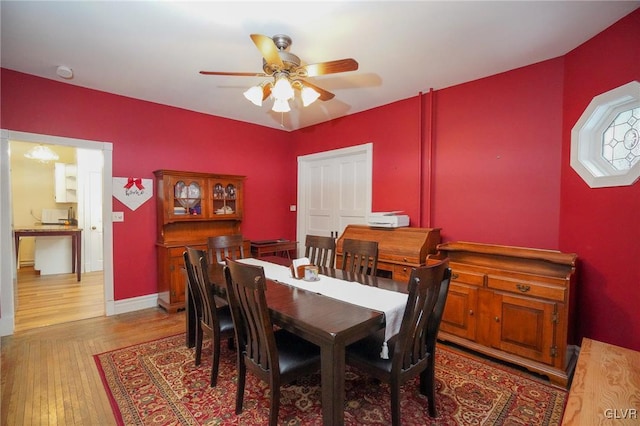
(454, 276)
(523, 287)
(497, 319)
(470, 312)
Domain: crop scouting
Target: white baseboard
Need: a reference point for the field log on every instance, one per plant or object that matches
(6, 326)
(7, 323)
(132, 304)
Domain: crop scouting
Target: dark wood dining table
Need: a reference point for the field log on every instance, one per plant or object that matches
(329, 323)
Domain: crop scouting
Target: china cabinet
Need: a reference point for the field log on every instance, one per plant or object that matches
(191, 207)
(511, 303)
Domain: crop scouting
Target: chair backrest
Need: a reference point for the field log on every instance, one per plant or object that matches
(360, 256)
(321, 251)
(254, 330)
(192, 285)
(433, 327)
(417, 323)
(225, 246)
(200, 266)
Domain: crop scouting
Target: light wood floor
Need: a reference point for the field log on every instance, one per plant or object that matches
(49, 376)
(54, 299)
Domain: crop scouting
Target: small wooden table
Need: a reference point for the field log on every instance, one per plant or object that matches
(274, 248)
(54, 231)
(606, 386)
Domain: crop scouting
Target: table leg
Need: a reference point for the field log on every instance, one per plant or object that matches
(78, 256)
(332, 373)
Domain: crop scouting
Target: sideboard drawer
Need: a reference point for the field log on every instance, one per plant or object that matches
(528, 288)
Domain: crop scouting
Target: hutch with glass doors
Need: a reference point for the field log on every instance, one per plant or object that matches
(191, 207)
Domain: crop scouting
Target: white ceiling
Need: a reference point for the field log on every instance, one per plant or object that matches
(154, 50)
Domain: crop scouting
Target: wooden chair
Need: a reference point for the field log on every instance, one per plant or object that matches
(225, 246)
(215, 321)
(276, 357)
(360, 256)
(412, 350)
(321, 251)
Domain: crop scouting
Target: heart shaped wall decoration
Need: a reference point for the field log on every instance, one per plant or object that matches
(132, 192)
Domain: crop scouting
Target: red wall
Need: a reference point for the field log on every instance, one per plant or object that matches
(146, 137)
(496, 156)
(602, 224)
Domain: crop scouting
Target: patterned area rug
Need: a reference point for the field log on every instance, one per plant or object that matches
(157, 383)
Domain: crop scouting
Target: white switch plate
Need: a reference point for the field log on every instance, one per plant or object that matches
(117, 216)
(292, 208)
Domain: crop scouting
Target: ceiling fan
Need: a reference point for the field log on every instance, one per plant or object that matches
(288, 73)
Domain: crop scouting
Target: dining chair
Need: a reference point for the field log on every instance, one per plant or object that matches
(360, 256)
(225, 246)
(412, 350)
(215, 321)
(276, 357)
(321, 251)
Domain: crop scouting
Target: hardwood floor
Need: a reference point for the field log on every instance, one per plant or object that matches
(54, 299)
(49, 375)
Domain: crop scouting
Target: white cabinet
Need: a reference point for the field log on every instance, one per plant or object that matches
(66, 183)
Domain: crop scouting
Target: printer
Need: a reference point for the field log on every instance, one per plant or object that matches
(388, 219)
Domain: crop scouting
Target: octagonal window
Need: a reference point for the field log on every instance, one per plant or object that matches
(605, 141)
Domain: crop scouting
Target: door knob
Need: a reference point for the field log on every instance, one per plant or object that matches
(93, 228)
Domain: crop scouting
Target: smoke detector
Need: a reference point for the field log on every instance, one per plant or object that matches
(64, 72)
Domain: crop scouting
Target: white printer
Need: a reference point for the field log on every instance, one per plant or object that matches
(388, 219)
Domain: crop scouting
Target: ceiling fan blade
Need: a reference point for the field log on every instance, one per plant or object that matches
(325, 95)
(269, 51)
(239, 74)
(266, 91)
(330, 67)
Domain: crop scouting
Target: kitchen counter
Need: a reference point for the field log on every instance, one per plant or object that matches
(51, 231)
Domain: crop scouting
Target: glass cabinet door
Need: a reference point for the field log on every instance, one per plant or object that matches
(225, 199)
(187, 198)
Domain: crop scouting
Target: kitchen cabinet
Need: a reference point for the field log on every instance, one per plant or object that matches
(65, 182)
(191, 207)
(511, 303)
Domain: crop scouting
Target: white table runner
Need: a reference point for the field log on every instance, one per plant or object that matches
(392, 303)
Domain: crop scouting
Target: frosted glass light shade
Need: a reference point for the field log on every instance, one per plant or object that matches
(308, 95)
(282, 89)
(254, 94)
(281, 105)
(41, 153)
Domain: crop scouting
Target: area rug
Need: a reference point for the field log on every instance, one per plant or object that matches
(157, 383)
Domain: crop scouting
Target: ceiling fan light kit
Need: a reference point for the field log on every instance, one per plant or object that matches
(287, 74)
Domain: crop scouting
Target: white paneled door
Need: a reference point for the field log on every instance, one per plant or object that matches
(334, 190)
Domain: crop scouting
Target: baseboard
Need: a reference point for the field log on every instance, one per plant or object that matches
(6, 325)
(133, 304)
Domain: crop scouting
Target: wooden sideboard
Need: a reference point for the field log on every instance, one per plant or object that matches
(605, 388)
(511, 303)
(399, 249)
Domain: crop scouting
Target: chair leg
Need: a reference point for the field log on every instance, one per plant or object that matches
(199, 338)
(215, 358)
(242, 372)
(395, 402)
(275, 405)
(428, 386)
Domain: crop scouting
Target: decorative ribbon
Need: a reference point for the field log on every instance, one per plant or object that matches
(132, 181)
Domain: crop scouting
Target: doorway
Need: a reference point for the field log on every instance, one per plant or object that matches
(334, 190)
(8, 270)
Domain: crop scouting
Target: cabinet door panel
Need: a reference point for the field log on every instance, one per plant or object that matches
(459, 316)
(523, 326)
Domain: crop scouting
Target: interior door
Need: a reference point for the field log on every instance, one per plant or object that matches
(90, 165)
(334, 190)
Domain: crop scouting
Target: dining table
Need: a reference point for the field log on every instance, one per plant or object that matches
(330, 323)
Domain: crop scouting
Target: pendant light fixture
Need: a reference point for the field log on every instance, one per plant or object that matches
(41, 153)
